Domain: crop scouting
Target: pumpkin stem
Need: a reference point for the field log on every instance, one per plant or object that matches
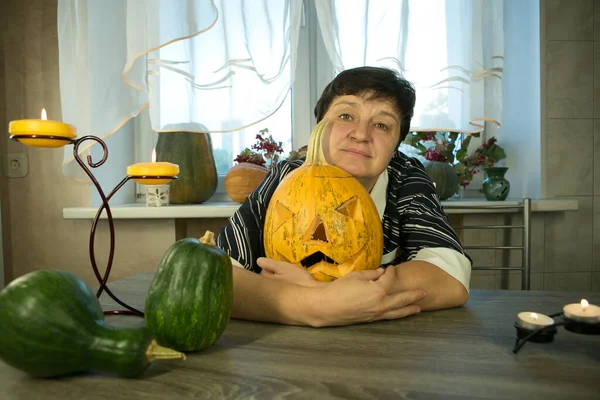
(158, 352)
(314, 154)
(208, 239)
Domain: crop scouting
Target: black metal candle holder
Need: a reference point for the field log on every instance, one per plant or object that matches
(580, 327)
(102, 279)
(546, 334)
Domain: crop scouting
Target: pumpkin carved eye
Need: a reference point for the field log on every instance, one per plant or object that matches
(351, 208)
(282, 215)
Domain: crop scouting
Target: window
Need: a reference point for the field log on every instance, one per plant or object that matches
(291, 123)
(435, 47)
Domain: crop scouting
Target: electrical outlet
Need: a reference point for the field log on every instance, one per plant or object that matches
(15, 165)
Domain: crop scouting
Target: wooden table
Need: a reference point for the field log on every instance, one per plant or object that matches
(451, 354)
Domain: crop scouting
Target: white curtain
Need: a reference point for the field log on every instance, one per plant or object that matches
(228, 64)
(363, 32)
(451, 50)
(184, 59)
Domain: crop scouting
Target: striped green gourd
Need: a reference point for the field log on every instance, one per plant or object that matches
(51, 325)
(190, 298)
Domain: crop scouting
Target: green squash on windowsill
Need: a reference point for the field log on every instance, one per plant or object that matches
(193, 152)
(444, 176)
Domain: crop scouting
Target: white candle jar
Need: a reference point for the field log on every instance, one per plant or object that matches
(157, 195)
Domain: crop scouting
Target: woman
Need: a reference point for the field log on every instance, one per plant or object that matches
(424, 265)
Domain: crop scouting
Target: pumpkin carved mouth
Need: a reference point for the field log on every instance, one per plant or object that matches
(316, 258)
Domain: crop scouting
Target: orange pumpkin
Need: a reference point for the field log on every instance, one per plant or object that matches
(242, 179)
(321, 218)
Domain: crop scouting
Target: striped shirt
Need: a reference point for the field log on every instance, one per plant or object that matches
(415, 227)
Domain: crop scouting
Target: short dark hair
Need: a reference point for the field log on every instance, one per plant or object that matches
(384, 83)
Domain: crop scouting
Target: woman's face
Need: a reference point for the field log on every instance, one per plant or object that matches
(363, 137)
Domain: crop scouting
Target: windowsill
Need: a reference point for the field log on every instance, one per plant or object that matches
(214, 209)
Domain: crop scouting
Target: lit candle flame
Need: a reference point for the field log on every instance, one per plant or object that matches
(534, 316)
(44, 115)
(584, 304)
(153, 155)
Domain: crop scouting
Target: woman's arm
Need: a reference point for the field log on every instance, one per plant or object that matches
(356, 298)
(259, 299)
(444, 290)
(432, 257)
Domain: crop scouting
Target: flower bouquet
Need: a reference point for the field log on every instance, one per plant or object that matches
(265, 151)
(485, 156)
(447, 160)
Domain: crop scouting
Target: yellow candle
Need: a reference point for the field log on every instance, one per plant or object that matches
(153, 169)
(42, 127)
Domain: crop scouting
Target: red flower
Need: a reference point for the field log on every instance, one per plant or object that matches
(266, 149)
(429, 136)
(433, 155)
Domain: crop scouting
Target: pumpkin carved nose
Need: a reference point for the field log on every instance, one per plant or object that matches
(316, 231)
(319, 233)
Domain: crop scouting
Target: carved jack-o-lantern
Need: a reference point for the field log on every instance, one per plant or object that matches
(321, 218)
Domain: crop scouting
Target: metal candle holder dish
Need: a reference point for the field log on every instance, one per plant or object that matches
(102, 279)
(546, 333)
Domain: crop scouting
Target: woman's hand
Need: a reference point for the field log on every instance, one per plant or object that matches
(363, 296)
(284, 271)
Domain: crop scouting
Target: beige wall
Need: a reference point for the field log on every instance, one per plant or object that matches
(34, 232)
(565, 246)
(571, 135)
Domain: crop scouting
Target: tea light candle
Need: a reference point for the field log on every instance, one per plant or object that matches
(153, 169)
(533, 321)
(582, 312)
(42, 127)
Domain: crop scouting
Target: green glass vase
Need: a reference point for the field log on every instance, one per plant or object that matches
(495, 186)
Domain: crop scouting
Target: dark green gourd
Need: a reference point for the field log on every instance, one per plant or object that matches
(51, 324)
(444, 176)
(189, 302)
(193, 152)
